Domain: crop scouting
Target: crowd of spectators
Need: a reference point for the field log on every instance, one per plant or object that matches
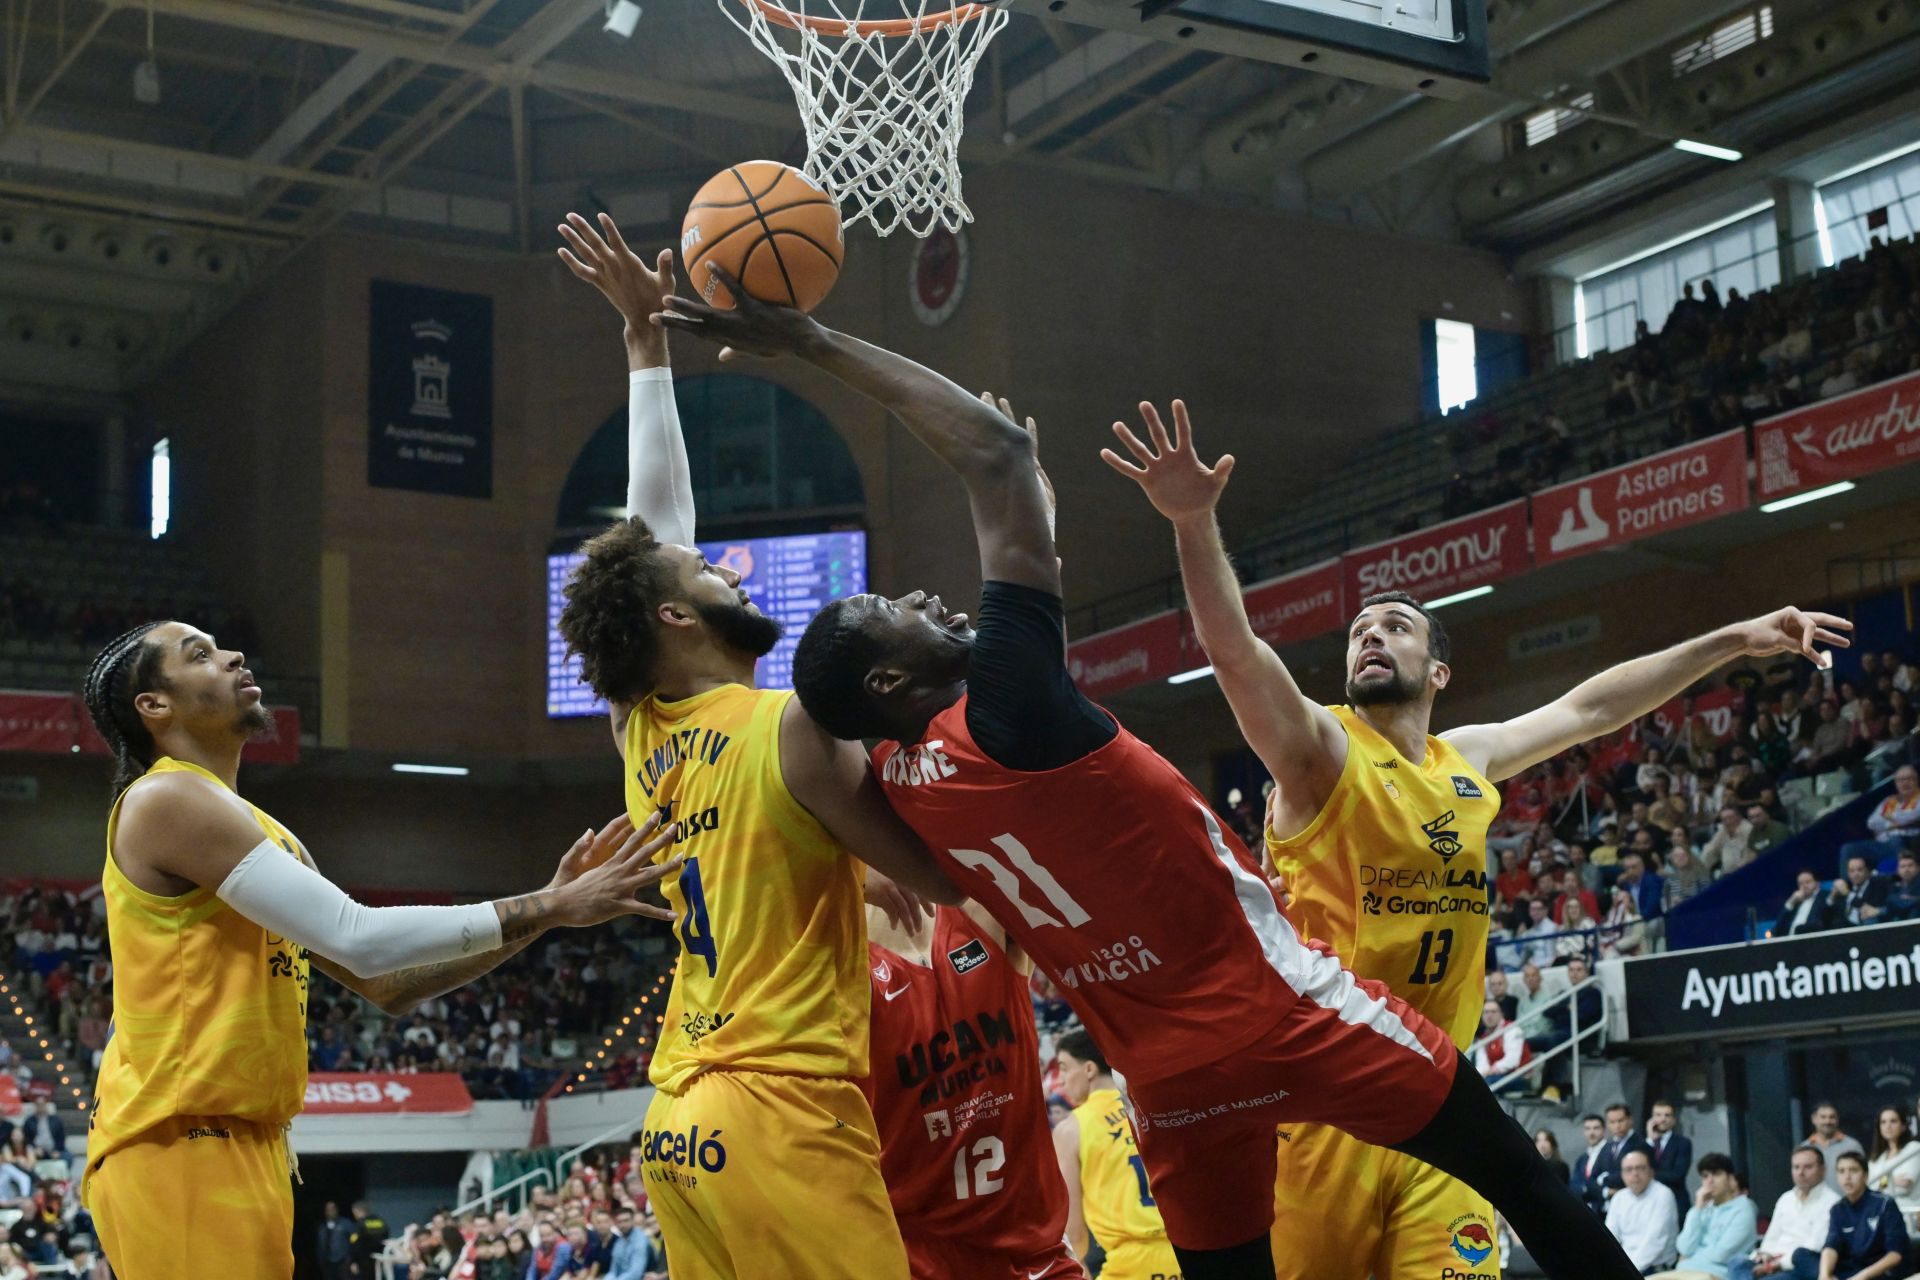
(27, 612)
(44, 1232)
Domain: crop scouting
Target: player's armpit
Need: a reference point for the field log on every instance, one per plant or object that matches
(178, 832)
(833, 781)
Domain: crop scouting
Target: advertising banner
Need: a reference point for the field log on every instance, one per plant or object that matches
(1866, 430)
(1670, 490)
(348, 1093)
(1298, 606)
(57, 723)
(1460, 554)
(1138, 653)
(430, 390)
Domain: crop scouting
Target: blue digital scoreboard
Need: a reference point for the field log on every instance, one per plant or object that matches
(789, 577)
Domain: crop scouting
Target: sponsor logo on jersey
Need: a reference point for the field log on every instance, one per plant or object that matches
(1386, 764)
(953, 1059)
(939, 1125)
(1114, 963)
(684, 1150)
(1370, 903)
(685, 829)
(209, 1133)
(1466, 788)
(1440, 837)
(1400, 905)
(1420, 878)
(968, 958)
(918, 766)
(1472, 1238)
(698, 1026)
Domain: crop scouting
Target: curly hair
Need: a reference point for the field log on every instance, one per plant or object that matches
(611, 602)
(121, 672)
(830, 667)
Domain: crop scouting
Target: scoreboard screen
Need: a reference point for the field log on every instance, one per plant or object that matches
(789, 577)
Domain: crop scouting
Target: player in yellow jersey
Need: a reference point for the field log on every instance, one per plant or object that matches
(214, 913)
(1108, 1197)
(758, 1134)
(1378, 829)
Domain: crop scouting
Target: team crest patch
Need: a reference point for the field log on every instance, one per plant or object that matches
(1471, 1238)
(1466, 788)
(969, 957)
(884, 972)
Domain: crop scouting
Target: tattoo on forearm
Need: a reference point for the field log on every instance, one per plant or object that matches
(424, 982)
(522, 917)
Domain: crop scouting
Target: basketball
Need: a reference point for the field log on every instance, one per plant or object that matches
(769, 226)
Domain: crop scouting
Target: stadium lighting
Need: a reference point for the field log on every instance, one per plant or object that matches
(622, 17)
(1706, 149)
(1811, 495)
(442, 770)
(1198, 673)
(1471, 593)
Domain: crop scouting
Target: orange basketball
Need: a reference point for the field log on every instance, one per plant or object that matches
(771, 228)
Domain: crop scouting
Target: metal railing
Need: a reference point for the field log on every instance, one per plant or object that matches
(1570, 1046)
(560, 1171)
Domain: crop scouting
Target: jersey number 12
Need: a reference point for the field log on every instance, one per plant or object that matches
(992, 1154)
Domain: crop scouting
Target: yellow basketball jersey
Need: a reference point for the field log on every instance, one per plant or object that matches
(209, 1009)
(1115, 1199)
(1392, 872)
(773, 932)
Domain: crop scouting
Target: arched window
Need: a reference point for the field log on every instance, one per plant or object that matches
(763, 460)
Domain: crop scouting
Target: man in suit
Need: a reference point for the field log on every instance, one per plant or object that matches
(1622, 1137)
(1584, 1178)
(1672, 1154)
(45, 1133)
(1860, 896)
(1806, 909)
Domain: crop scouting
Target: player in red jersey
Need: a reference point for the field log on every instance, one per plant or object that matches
(956, 1095)
(1109, 869)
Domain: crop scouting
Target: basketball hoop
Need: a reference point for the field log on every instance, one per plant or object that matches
(882, 99)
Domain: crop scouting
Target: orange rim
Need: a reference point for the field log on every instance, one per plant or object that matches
(882, 27)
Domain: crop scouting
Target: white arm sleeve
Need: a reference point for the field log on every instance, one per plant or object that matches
(659, 484)
(285, 896)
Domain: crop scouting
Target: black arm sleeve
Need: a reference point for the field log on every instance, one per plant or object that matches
(1022, 705)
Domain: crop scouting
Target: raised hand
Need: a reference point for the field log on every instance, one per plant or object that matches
(1792, 630)
(601, 258)
(752, 327)
(1178, 484)
(903, 907)
(597, 893)
(1033, 442)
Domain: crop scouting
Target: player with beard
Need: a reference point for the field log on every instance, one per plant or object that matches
(1109, 869)
(956, 1093)
(1378, 829)
(758, 1133)
(214, 913)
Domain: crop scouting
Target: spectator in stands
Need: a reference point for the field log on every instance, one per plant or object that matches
(1867, 1236)
(1672, 1152)
(16, 1184)
(1514, 881)
(1831, 744)
(1622, 1138)
(1806, 909)
(1833, 1142)
(1893, 1162)
(1903, 895)
(636, 1255)
(1573, 940)
(1538, 935)
(333, 1247)
(1799, 1223)
(1722, 1226)
(1586, 1175)
(12, 1265)
(1728, 848)
(1764, 831)
(1635, 877)
(1667, 810)
(1500, 1051)
(1497, 992)
(1895, 821)
(45, 1132)
(1641, 1215)
(1623, 932)
(1859, 897)
(1685, 875)
(1549, 1148)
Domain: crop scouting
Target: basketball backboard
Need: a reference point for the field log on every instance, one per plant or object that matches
(1438, 47)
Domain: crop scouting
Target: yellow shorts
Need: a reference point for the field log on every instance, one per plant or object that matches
(1344, 1210)
(197, 1196)
(755, 1175)
(1141, 1260)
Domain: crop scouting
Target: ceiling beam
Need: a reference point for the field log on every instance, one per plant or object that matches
(67, 58)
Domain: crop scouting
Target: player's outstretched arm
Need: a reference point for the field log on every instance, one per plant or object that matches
(1066, 1149)
(179, 829)
(833, 781)
(1622, 694)
(993, 457)
(403, 990)
(1298, 740)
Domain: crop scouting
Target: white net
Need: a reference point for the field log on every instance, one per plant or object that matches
(882, 95)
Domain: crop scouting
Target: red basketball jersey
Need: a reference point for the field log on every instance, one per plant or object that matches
(955, 1089)
(1121, 884)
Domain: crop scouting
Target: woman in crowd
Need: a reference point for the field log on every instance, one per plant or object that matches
(1624, 933)
(1893, 1163)
(1549, 1148)
(1573, 940)
(12, 1265)
(519, 1257)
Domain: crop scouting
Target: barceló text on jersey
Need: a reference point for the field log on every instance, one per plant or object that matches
(950, 1060)
(703, 746)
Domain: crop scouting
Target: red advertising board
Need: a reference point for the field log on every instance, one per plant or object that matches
(358, 1093)
(1300, 605)
(1469, 552)
(1715, 708)
(1138, 653)
(57, 723)
(1850, 435)
(9, 1096)
(1669, 490)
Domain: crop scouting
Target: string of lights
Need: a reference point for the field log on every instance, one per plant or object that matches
(643, 1033)
(48, 1050)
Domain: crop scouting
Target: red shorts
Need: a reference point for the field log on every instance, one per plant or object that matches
(1349, 1053)
(938, 1258)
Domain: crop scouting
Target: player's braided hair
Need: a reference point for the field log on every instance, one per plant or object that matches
(830, 666)
(612, 599)
(121, 672)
